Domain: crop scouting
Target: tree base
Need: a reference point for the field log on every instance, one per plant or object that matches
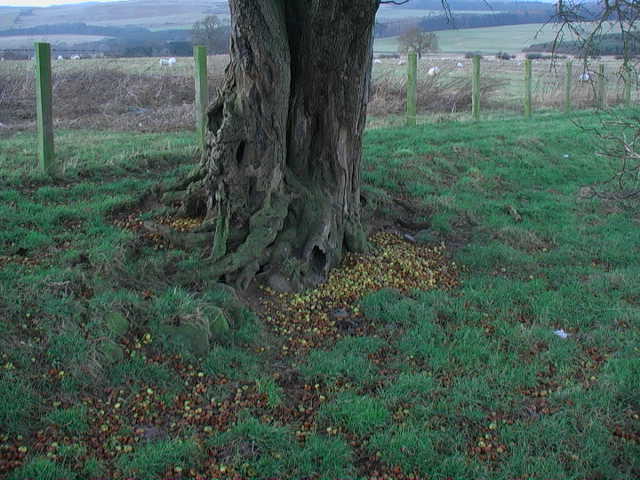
(279, 181)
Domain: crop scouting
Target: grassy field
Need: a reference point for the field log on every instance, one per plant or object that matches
(390, 13)
(27, 41)
(184, 66)
(489, 40)
(120, 359)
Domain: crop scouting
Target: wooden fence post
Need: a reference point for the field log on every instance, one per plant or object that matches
(627, 85)
(412, 81)
(527, 88)
(202, 93)
(602, 88)
(44, 99)
(568, 78)
(475, 88)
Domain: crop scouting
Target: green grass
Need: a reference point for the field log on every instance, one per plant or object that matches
(42, 468)
(441, 379)
(156, 459)
(91, 155)
(72, 420)
(358, 414)
(18, 401)
(347, 361)
(279, 454)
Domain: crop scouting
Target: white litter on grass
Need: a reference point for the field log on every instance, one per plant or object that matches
(566, 155)
(561, 333)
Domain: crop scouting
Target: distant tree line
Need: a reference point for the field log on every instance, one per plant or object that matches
(473, 5)
(211, 33)
(469, 20)
(464, 20)
(606, 44)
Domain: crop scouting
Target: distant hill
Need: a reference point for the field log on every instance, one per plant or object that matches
(125, 28)
(171, 14)
(8, 16)
(152, 14)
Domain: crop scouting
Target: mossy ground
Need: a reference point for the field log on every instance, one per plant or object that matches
(420, 360)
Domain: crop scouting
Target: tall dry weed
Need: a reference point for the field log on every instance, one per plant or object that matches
(441, 93)
(106, 98)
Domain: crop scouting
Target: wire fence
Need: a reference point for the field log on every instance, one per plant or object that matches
(444, 86)
(158, 94)
(90, 91)
(28, 53)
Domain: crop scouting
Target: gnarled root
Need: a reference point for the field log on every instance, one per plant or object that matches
(264, 227)
(185, 240)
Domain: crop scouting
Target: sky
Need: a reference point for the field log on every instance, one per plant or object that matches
(43, 3)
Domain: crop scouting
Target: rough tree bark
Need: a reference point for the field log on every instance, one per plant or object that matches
(280, 179)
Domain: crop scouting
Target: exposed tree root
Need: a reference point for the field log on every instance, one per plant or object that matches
(247, 259)
(197, 174)
(185, 240)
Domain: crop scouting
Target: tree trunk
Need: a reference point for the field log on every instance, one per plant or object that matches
(280, 179)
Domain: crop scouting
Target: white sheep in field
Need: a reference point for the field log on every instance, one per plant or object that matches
(402, 62)
(377, 61)
(75, 57)
(168, 61)
(584, 77)
(60, 57)
(433, 71)
(460, 65)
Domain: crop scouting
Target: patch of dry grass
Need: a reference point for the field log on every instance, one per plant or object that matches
(442, 93)
(106, 96)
